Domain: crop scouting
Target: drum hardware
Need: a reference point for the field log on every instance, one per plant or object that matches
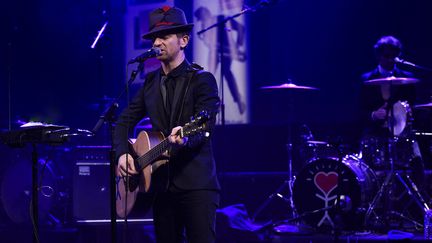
(324, 149)
(374, 152)
(397, 115)
(277, 194)
(399, 122)
(418, 225)
(423, 133)
(289, 85)
(286, 184)
(392, 81)
(289, 182)
(315, 142)
(344, 204)
(311, 149)
(413, 192)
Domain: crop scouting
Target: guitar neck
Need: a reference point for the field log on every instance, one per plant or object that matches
(155, 152)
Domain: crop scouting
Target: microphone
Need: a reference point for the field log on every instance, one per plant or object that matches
(402, 61)
(153, 52)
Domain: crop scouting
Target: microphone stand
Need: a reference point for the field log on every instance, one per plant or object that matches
(338, 209)
(220, 24)
(221, 31)
(413, 65)
(108, 116)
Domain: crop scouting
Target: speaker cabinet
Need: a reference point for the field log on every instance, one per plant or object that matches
(91, 188)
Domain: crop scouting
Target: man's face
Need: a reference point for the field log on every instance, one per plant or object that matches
(170, 46)
(387, 57)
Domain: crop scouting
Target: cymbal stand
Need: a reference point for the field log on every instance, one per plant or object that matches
(409, 185)
(290, 181)
(413, 191)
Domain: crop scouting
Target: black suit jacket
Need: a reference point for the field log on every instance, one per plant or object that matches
(191, 167)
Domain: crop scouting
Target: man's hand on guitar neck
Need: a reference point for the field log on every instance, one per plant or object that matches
(126, 165)
(176, 137)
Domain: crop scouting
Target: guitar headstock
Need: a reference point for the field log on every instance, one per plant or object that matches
(197, 125)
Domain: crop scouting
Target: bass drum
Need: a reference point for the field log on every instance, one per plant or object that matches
(316, 188)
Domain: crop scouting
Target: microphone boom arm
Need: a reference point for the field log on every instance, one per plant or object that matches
(405, 62)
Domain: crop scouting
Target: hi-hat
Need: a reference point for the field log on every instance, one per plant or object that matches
(289, 86)
(391, 80)
(428, 105)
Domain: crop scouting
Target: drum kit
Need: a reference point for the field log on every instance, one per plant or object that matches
(346, 192)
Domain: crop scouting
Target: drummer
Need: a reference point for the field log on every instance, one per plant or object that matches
(375, 99)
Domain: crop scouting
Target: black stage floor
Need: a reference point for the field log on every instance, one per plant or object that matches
(140, 233)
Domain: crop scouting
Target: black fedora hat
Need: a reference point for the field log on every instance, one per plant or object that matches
(167, 20)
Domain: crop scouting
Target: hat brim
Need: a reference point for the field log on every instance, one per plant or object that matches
(167, 30)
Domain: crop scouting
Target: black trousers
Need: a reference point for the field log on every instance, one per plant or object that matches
(185, 215)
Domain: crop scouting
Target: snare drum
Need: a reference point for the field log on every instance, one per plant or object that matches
(318, 184)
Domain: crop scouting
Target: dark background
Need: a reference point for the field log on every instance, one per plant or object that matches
(49, 73)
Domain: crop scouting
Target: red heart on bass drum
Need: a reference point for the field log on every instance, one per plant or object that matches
(326, 182)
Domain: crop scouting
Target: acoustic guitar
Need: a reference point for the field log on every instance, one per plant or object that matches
(149, 152)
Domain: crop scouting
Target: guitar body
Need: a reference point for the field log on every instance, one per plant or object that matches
(128, 187)
(149, 152)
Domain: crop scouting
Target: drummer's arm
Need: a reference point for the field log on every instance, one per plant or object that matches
(380, 113)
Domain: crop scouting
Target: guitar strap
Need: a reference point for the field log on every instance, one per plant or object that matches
(196, 69)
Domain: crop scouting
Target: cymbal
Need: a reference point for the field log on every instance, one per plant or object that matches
(289, 86)
(316, 142)
(391, 80)
(428, 105)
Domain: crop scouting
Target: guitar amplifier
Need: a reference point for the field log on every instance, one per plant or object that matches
(91, 188)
